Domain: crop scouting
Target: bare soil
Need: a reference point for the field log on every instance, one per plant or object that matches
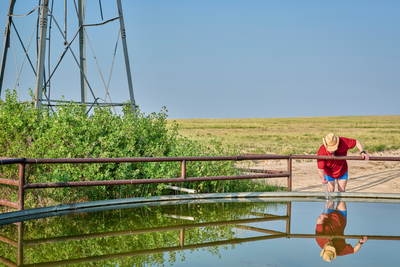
(364, 176)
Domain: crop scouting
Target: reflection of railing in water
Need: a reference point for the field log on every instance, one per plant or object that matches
(265, 173)
(271, 234)
(370, 237)
(151, 230)
(17, 244)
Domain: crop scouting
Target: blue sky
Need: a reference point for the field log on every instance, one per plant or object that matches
(233, 59)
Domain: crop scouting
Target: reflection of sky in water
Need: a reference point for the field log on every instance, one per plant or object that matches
(363, 219)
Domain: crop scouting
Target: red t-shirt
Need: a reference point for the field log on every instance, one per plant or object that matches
(336, 168)
(334, 225)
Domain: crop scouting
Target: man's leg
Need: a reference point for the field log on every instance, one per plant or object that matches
(341, 206)
(331, 186)
(331, 183)
(342, 182)
(342, 185)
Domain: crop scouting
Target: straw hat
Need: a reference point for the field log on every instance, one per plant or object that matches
(331, 142)
(328, 252)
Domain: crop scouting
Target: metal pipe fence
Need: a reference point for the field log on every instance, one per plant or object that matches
(22, 162)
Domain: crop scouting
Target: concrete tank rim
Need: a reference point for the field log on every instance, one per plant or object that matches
(197, 198)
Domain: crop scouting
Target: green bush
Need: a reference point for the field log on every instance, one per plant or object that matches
(67, 131)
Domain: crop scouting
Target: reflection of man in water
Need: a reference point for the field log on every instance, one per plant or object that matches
(333, 223)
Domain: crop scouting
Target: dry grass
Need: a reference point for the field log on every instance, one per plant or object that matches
(294, 135)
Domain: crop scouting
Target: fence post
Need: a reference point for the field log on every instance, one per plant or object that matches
(183, 169)
(20, 247)
(182, 237)
(183, 172)
(21, 186)
(290, 173)
(289, 214)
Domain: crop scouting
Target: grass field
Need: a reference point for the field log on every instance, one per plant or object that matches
(294, 135)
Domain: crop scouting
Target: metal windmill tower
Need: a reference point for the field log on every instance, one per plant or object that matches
(44, 21)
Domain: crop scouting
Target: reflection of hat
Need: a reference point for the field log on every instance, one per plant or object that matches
(331, 142)
(328, 252)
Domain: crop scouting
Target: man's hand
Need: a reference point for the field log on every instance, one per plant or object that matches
(361, 148)
(364, 239)
(365, 156)
(321, 218)
(324, 181)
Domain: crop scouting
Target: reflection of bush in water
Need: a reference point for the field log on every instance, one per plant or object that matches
(129, 219)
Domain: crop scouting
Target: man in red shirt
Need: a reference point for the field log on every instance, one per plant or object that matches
(331, 170)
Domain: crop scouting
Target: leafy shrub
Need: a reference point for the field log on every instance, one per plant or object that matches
(67, 131)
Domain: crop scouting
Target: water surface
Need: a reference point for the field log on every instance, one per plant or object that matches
(219, 234)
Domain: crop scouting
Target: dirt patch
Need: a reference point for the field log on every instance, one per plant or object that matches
(364, 176)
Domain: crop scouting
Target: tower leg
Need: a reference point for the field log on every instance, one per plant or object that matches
(82, 51)
(6, 42)
(41, 53)
(128, 68)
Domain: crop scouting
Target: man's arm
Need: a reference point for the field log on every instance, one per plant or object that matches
(359, 244)
(361, 148)
(322, 176)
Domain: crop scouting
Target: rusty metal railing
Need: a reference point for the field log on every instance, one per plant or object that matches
(22, 162)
